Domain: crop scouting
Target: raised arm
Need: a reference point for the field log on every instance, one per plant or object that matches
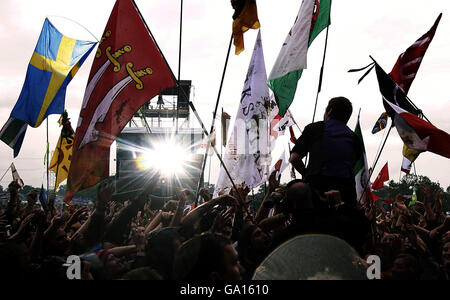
(429, 214)
(200, 210)
(176, 219)
(264, 208)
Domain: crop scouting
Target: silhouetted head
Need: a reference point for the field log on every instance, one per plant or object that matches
(339, 108)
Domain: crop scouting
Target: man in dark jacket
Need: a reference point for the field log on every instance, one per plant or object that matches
(333, 149)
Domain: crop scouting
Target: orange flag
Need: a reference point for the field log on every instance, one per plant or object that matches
(245, 17)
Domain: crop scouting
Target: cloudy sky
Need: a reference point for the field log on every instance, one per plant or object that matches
(383, 29)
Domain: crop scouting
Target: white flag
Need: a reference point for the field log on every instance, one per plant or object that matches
(278, 124)
(292, 55)
(247, 156)
(281, 164)
(16, 176)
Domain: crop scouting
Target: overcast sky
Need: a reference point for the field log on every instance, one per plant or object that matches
(383, 29)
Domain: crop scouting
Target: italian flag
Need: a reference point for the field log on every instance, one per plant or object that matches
(360, 169)
(313, 17)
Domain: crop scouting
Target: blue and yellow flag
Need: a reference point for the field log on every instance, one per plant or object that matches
(56, 59)
(381, 123)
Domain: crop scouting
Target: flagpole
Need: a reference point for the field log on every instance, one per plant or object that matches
(295, 122)
(214, 118)
(77, 24)
(375, 163)
(5, 172)
(190, 102)
(209, 172)
(406, 96)
(47, 159)
(319, 88)
(215, 150)
(292, 169)
(179, 66)
(221, 142)
(146, 124)
(156, 44)
(59, 153)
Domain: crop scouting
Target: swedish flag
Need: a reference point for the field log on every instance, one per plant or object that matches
(56, 59)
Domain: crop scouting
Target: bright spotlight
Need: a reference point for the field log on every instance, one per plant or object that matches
(167, 157)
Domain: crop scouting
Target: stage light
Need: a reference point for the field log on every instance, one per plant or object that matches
(167, 157)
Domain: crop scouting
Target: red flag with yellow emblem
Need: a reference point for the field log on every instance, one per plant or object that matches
(128, 71)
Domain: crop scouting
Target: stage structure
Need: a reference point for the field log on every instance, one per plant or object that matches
(159, 138)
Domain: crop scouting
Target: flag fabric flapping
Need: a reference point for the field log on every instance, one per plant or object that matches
(43, 198)
(128, 71)
(245, 17)
(413, 198)
(247, 156)
(13, 133)
(55, 61)
(392, 92)
(409, 156)
(381, 123)
(281, 164)
(293, 139)
(361, 170)
(418, 134)
(388, 200)
(382, 177)
(62, 156)
(371, 197)
(212, 138)
(277, 123)
(375, 198)
(408, 63)
(403, 74)
(312, 18)
(16, 176)
(224, 122)
(46, 152)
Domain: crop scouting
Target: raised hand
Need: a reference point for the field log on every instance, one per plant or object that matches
(227, 200)
(273, 181)
(437, 202)
(222, 219)
(104, 193)
(333, 197)
(240, 193)
(204, 192)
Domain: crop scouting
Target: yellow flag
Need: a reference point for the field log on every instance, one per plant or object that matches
(62, 156)
(410, 154)
(245, 17)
